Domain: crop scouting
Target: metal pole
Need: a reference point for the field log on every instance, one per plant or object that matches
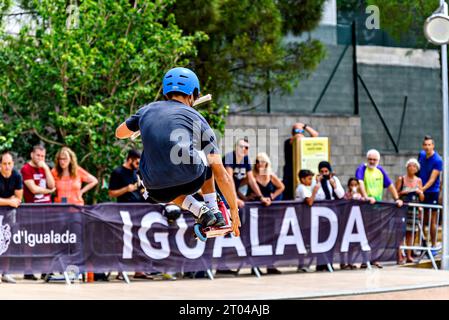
(395, 146)
(268, 94)
(355, 71)
(444, 76)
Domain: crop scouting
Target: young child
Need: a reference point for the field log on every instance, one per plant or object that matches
(353, 192)
(305, 192)
(180, 152)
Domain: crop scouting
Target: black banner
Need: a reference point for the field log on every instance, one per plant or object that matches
(137, 237)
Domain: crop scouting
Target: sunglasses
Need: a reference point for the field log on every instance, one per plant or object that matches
(297, 130)
(244, 147)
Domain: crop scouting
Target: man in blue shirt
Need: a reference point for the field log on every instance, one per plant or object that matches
(180, 154)
(431, 167)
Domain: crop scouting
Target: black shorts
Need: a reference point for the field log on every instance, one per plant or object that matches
(431, 197)
(169, 194)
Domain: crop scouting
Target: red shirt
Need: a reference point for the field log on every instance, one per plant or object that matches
(38, 176)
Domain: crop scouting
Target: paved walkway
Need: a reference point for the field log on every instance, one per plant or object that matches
(290, 285)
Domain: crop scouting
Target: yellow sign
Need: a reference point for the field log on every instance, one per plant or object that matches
(308, 153)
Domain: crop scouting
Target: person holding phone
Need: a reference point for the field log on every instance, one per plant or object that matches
(328, 185)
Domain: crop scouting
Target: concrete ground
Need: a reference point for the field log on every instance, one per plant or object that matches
(353, 284)
(439, 293)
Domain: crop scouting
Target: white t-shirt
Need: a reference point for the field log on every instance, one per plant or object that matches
(303, 192)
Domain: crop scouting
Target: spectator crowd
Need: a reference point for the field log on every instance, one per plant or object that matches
(68, 182)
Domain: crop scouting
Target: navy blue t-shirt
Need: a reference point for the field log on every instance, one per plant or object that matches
(122, 177)
(9, 185)
(434, 162)
(240, 170)
(176, 140)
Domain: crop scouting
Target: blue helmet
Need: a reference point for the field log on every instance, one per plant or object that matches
(180, 80)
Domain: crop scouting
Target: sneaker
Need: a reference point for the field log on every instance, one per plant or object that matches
(141, 275)
(189, 275)
(226, 272)
(164, 276)
(44, 275)
(167, 276)
(8, 279)
(207, 217)
(434, 252)
(101, 277)
(273, 271)
(30, 277)
(47, 276)
(220, 220)
(304, 270)
(321, 268)
(200, 275)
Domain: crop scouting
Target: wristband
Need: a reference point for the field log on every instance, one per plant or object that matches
(305, 126)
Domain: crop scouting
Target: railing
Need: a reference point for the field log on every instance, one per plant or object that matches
(424, 215)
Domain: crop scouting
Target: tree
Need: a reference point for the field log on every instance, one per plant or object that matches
(402, 20)
(76, 72)
(405, 19)
(300, 15)
(247, 53)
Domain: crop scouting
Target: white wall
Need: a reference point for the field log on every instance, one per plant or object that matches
(330, 13)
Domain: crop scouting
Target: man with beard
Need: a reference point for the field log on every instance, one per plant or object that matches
(123, 182)
(123, 186)
(373, 180)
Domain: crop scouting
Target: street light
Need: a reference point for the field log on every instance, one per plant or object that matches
(436, 30)
(436, 27)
